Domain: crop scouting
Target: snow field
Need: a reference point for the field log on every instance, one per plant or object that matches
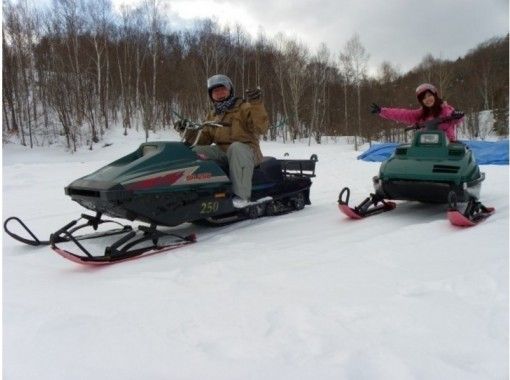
(307, 295)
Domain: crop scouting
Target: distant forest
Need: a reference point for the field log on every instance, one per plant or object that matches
(73, 70)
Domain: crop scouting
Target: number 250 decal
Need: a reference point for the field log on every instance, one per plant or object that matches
(208, 207)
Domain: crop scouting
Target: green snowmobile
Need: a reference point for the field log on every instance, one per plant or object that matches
(430, 170)
(167, 184)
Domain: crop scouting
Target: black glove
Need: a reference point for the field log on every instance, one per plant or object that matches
(180, 125)
(374, 108)
(457, 115)
(253, 94)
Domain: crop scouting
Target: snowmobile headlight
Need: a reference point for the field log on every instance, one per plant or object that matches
(148, 149)
(429, 138)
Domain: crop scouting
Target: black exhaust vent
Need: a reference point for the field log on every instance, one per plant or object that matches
(456, 152)
(84, 193)
(445, 169)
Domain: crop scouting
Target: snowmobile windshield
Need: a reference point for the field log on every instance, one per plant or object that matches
(429, 138)
(148, 149)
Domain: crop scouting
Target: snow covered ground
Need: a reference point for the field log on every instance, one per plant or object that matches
(308, 295)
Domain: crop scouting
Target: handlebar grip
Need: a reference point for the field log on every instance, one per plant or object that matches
(412, 128)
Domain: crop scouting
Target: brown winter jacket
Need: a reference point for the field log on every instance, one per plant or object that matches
(244, 122)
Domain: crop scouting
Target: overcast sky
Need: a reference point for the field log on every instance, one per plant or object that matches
(401, 32)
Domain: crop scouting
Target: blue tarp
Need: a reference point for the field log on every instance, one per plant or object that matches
(486, 152)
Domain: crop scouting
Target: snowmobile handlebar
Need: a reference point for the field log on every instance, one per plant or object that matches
(188, 125)
(432, 125)
(183, 124)
(196, 126)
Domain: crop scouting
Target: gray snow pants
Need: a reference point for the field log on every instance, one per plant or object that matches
(241, 162)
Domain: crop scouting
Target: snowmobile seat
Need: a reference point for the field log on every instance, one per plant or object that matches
(268, 171)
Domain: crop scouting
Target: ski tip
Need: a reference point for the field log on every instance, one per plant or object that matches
(351, 213)
(389, 205)
(192, 238)
(458, 219)
(75, 258)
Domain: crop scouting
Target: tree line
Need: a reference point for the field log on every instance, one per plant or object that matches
(74, 69)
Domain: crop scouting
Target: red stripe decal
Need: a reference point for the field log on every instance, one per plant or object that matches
(149, 183)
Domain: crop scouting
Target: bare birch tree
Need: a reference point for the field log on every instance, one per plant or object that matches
(20, 28)
(319, 78)
(280, 68)
(359, 58)
(387, 73)
(347, 72)
(98, 14)
(296, 55)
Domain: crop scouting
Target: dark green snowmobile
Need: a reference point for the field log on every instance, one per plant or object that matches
(167, 184)
(430, 170)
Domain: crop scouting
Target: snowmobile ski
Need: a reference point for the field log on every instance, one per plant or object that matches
(91, 221)
(123, 249)
(458, 219)
(474, 213)
(370, 206)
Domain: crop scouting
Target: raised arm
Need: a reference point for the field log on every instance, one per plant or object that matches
(257, 118)
(401, 115)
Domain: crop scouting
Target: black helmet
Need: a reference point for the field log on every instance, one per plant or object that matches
(219, 80)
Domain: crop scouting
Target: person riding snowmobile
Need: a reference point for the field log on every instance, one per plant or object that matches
(432, 106)
(237, 141)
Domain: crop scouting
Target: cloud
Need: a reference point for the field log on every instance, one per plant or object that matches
(401, 32)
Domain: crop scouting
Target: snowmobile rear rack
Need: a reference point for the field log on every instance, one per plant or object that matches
(303, 168)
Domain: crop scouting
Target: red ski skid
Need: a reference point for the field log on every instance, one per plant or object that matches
(353, 214)
(460, 220)
(349, 211)
(107, 260)
(370, 206)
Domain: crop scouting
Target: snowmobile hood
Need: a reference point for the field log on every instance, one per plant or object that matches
(431, 158)
(154, 166)
(148, 158)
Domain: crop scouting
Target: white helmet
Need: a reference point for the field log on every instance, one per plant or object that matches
(219, 80)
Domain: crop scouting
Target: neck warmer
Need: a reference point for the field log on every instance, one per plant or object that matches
(221, 107)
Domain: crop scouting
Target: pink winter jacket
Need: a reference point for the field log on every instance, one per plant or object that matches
(410, 117)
